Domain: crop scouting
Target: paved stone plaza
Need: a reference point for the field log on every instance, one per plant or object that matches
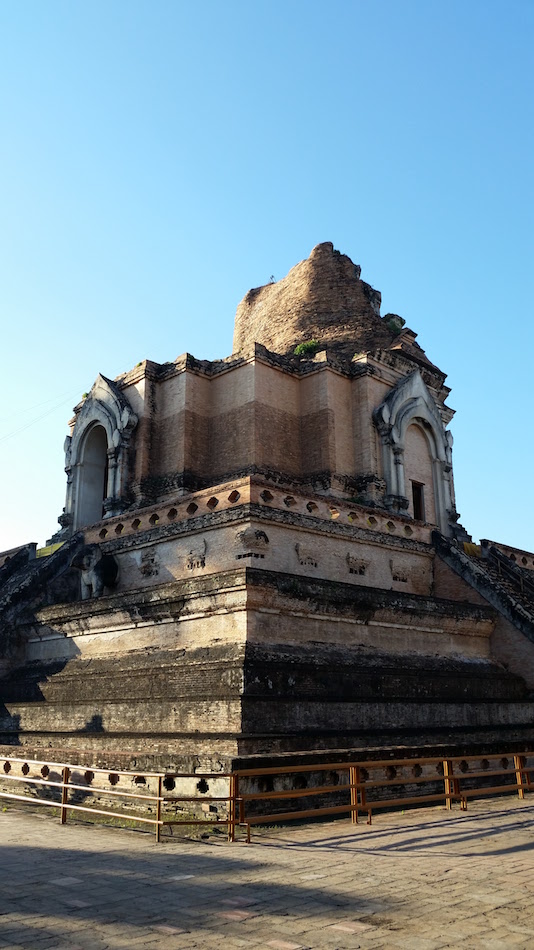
(421, 880)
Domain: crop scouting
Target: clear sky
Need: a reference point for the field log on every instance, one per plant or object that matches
(159, 158)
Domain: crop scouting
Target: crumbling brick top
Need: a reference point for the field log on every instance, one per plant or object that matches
(322, 299)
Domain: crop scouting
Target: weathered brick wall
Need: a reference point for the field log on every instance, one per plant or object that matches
(450, 586)
(514, 650)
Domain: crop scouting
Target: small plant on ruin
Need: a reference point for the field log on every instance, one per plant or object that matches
(309, 348)
(394, 323)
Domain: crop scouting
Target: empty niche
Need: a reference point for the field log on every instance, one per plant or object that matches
(103, 533)
(371, 521)
(153, 520)
(390, 526)
(289, 501)
(191, 508)
(172, 514)
(311, 506)
(266, 496)
(212, 503)
(136, 523)
(352, 517)
(119, 528)
(233, 497)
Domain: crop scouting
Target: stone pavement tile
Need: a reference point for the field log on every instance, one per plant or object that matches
(280, 944)
(350, 926)
(493, 898)
(234, 914)
(494, 943)
(76, 903)
(297, 927)
(32, 939)
(87, 940)
(65, 881)
(239, 901)
(138, 942)
(422, 943)
(168, 929)
(378, 939)
(322, 941)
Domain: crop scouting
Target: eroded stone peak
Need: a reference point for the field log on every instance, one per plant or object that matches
(322, 298)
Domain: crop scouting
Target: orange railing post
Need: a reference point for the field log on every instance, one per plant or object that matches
(158, 809)
(64, 793)
(232, 808)
(519, 764)
(354, 779)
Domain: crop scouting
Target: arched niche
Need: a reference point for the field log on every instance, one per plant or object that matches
(419, 473)
(416, 449)
(96, 456)
(92, 477)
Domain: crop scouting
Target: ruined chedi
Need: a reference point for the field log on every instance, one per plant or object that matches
(262, 554)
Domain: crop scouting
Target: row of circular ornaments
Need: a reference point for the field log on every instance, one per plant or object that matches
(333, 514)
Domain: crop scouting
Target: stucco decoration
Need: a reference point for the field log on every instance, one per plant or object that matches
(251, 543)
(96, 456)
(97, 570)
(407, 403)
(305, 556)
(196, 558)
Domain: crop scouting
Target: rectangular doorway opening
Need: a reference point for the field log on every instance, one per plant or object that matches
(418, 497)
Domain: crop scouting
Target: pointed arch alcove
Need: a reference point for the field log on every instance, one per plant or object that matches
(96, 456)
(93, 476)
(416, 454)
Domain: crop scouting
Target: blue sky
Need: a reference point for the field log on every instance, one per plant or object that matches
(159, 159)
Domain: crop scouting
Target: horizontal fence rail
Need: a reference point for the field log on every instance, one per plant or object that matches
(353, 788)
(120, 795)
(246, 797)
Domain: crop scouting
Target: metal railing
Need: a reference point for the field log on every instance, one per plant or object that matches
(246, 797)
(387, 783)
(64, 786)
